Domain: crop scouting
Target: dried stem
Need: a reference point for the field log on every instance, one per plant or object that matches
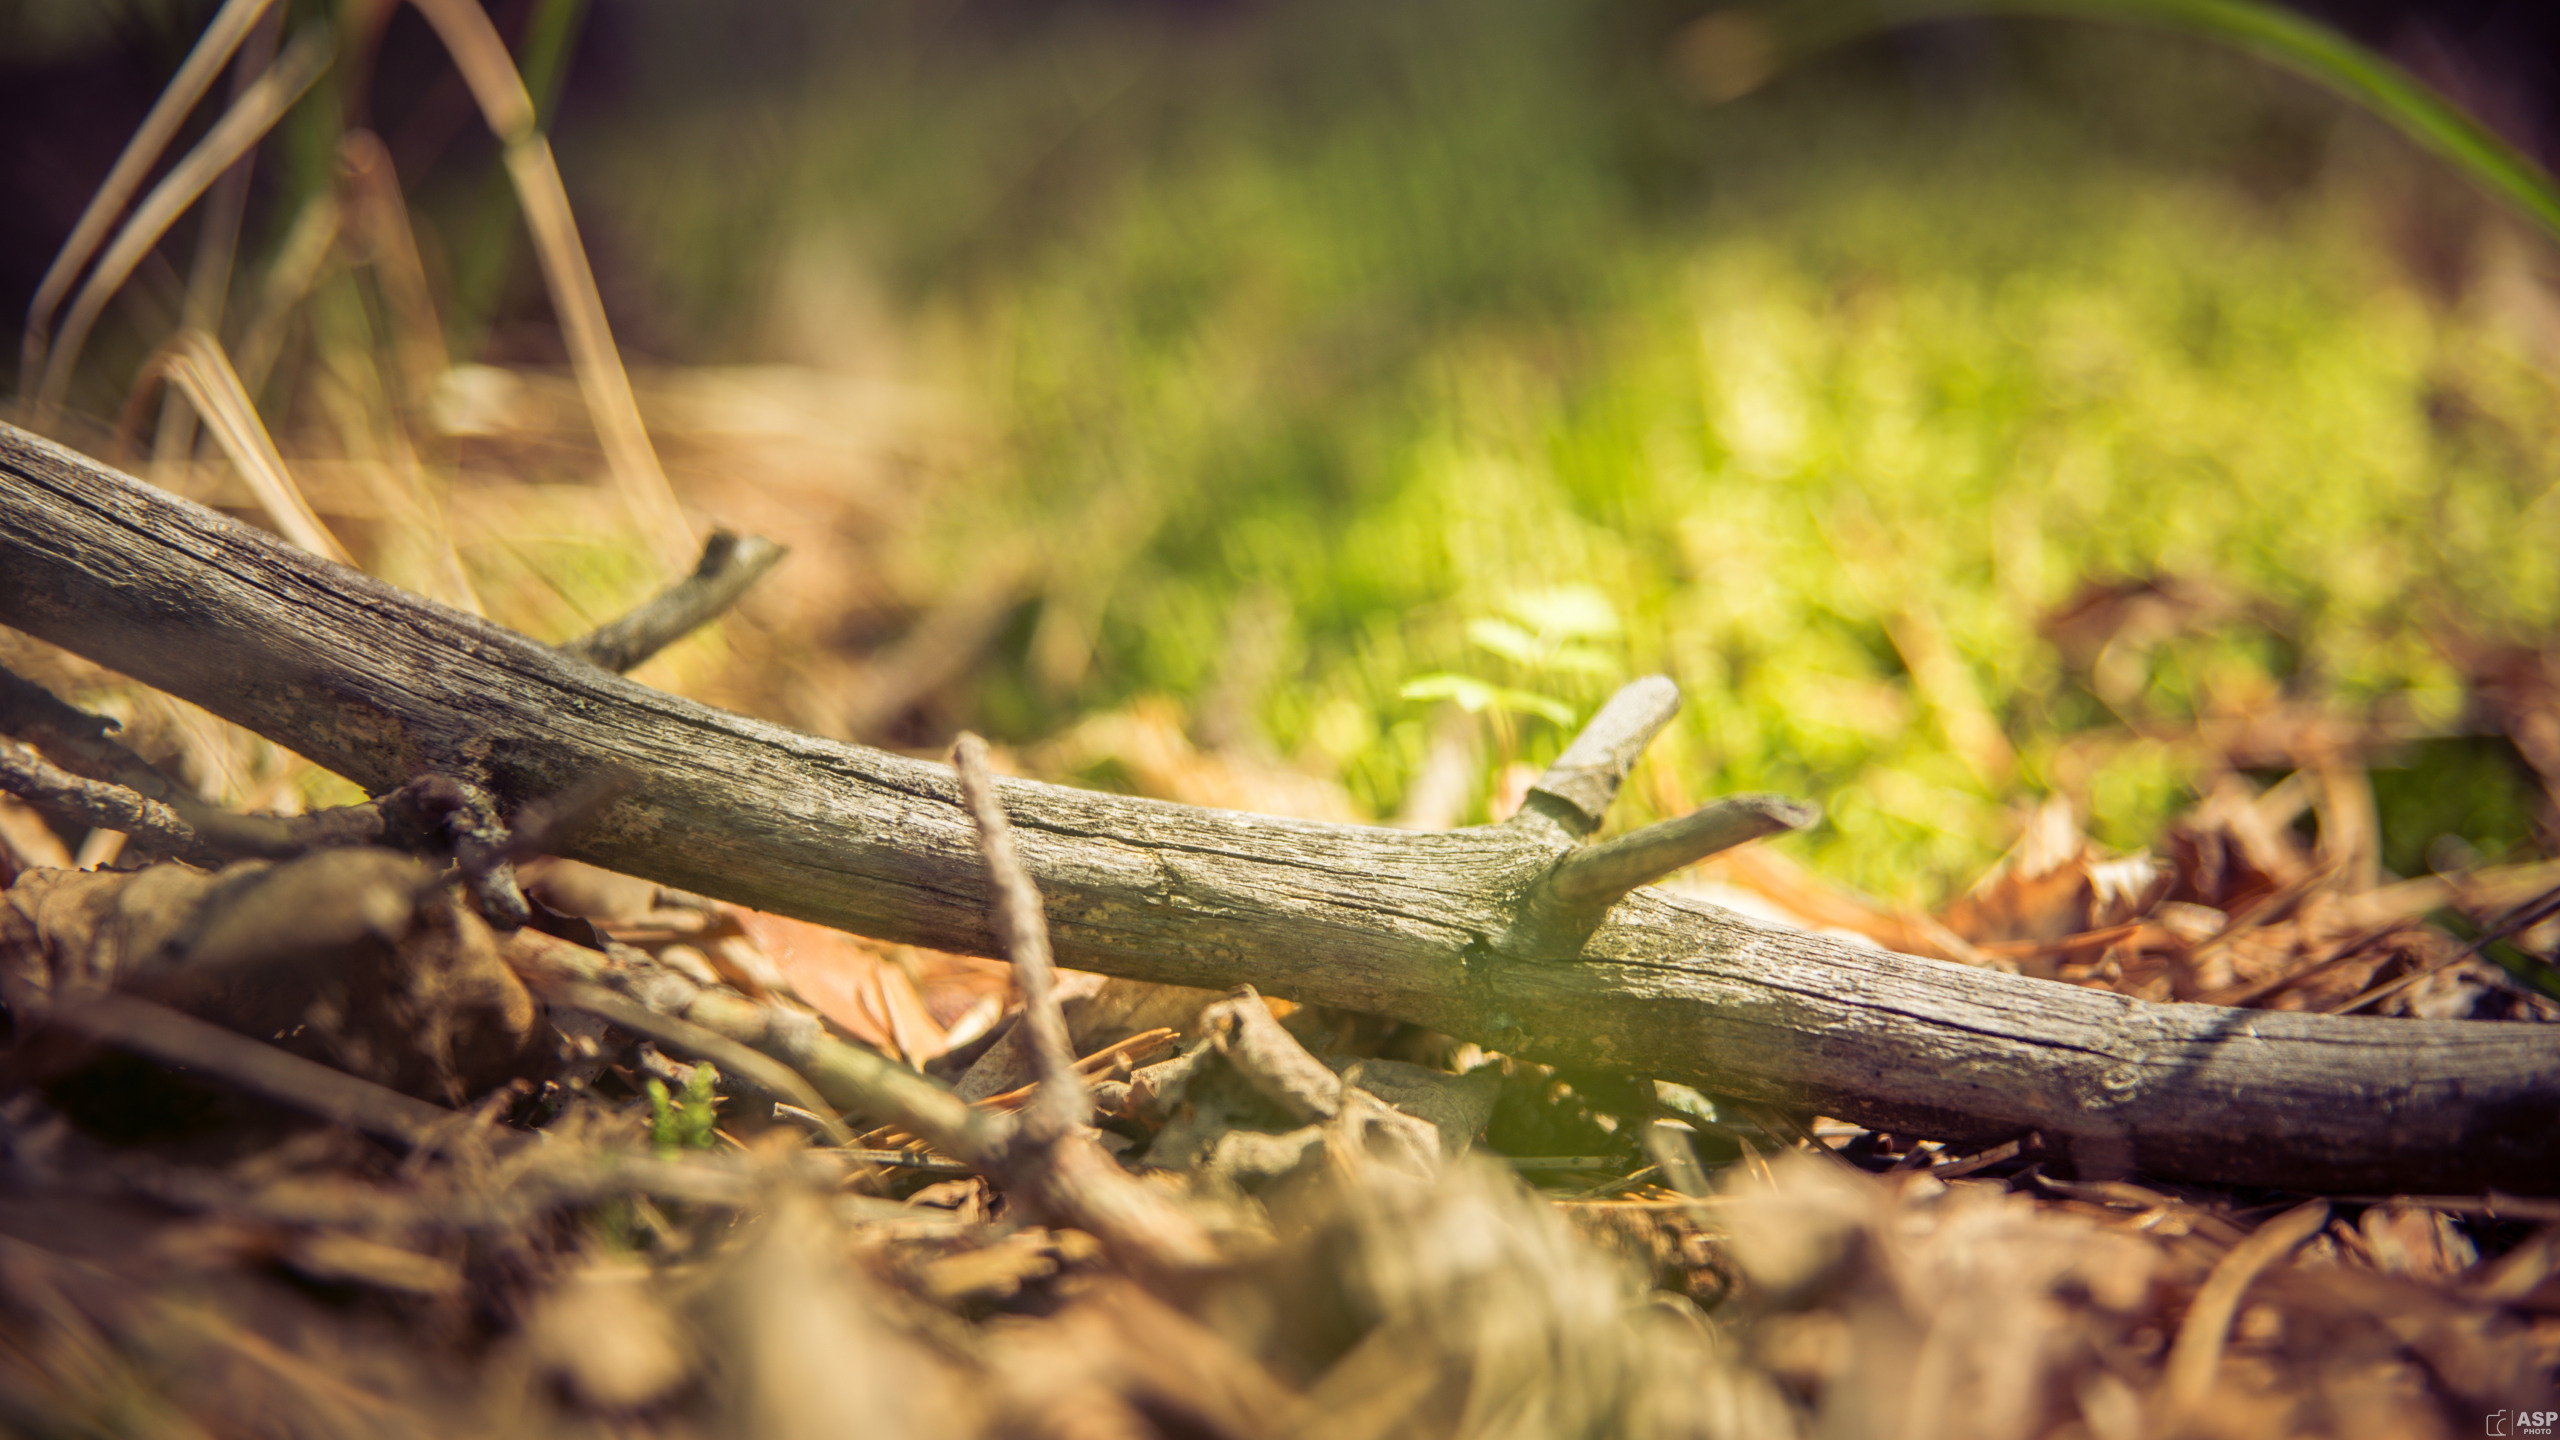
(1061, 1104)
(735, 1060)
(212, 51)
(846, 1076)
(193, 364)
(481, 55)
(240, 127)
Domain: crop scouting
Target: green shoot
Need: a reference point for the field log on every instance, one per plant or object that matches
(683, 1122)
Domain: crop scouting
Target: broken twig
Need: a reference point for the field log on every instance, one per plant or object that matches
(729, 566)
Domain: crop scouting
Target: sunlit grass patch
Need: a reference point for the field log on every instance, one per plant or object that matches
(1835, 395)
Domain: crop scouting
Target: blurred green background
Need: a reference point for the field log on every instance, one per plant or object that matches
(1963, 416)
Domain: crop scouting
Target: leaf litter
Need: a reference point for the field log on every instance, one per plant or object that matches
(604, 1234)
(527, 1219)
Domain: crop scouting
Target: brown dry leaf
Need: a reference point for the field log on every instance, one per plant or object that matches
(1758, 880)
(2054, 885)
(849, 981)
(605, 1336)
(27, 842)
(1116, 1356)
(2236, 846)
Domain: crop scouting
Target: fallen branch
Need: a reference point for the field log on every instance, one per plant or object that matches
(1436, 929)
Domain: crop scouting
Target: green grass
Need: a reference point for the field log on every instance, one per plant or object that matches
(1405, 313)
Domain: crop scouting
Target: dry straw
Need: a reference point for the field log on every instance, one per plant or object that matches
(193, 365)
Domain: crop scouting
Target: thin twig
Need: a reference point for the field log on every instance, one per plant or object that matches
(1061, 1103)
(738, 1061)
(95, 804)
(847, 1076)
(2258, 992)
(1053, 1154)
(1599, 874)
(730, 564)
(1580, 785)
(2523, 917)
(77, 741)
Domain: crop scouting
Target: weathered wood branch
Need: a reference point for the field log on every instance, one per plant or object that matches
(380, 686)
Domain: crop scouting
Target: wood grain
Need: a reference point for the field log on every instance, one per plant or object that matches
(380, 685)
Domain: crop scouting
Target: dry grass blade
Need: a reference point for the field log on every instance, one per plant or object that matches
(243, 125)
(2197, 1353)
(297, 267)
(195, 366)
(218, 241)
(212, 51)
(378, 221)
(482, 57)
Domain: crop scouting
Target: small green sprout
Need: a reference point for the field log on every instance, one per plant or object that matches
(683, 1122)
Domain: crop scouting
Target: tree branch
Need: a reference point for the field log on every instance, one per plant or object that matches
(380, 685)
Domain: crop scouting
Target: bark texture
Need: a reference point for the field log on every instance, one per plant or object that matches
(380, 685)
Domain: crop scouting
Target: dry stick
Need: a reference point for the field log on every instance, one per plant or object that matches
(481, 56)
(379, 685)
(2197, 1353)
(1062, 1102)
(1053, 1154)
(112, 788)
(212, 51)
(77, 741)
(730, 564)
(846, 1076)
(240, 127)
(1599, 874)
(95, 804)
(734, 1059)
